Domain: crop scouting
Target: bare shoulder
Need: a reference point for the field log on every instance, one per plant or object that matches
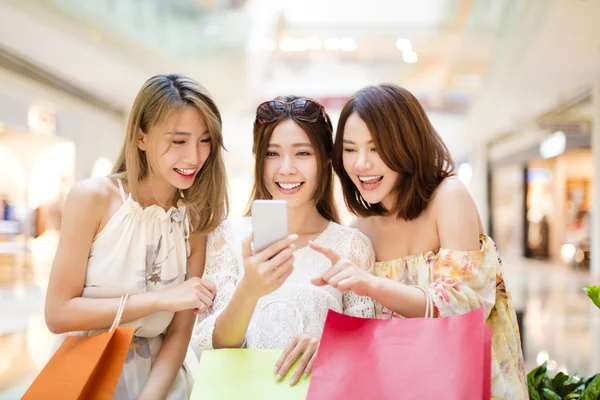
(456, 215)
(93, 193)
(452, 196)
(451, 189)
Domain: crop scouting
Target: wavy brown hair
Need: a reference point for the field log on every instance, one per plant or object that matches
(159, 98)
(406, 142)
(320, 134)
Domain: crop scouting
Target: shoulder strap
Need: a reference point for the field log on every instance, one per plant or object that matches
(123, 197)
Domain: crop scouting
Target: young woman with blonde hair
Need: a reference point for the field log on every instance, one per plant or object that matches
(142, 232)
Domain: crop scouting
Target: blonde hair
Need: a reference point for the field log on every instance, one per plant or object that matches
(160, 97)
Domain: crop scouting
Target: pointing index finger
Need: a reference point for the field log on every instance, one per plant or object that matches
(333, 256)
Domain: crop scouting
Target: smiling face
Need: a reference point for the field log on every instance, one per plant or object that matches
(371, 176)
(290, 168)
(387, 154)
(177, 148)
(293, 162)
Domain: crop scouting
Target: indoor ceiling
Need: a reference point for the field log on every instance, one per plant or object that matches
(479, 66)
(440, 49)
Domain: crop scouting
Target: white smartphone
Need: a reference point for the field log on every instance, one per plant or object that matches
(269, 223)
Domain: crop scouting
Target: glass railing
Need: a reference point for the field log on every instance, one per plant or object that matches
(186, 29)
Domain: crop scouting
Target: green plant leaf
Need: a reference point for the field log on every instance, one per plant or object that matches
(534, 381)
(594, 293)
(547, 383)
(575, 387)
(550, 395)
(559, 380)
(560, 384)
(592, 391)
(588, 379)
(572, 396)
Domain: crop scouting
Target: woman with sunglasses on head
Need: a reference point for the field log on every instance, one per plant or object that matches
(397, 177)
(266, 300)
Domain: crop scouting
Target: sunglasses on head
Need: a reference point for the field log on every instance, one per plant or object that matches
(301, 109)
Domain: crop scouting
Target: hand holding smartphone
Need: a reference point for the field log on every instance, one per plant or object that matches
(271, 261)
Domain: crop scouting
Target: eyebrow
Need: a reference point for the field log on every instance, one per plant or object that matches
(351, 142)
(294, 145)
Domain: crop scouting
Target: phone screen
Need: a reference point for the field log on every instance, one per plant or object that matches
(269, 222)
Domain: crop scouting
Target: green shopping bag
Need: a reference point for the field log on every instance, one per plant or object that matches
(233, 374)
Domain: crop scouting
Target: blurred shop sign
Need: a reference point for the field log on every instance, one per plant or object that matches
(455, 104)
(41, 120)
(332, 102)
(553, 145)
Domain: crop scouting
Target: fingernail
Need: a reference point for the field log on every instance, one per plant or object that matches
(292, 381)
(276, 369)
(304, 375)
(293, 236)
(292, 246)
(278, 377)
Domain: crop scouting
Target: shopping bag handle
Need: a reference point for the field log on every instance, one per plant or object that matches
(117, 320)
(429, 308)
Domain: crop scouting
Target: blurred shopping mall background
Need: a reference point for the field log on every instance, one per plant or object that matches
(513, 87)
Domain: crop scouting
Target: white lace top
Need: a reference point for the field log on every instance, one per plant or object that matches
(298, 305)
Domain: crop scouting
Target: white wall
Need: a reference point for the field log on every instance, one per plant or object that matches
(94, 131)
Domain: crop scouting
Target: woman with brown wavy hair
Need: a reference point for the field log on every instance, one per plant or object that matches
(266, 300)
(397, 177)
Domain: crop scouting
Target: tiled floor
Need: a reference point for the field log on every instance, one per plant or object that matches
(561, 324)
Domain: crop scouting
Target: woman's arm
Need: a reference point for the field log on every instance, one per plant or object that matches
(303, 347)
(174, 348)
(66, 310)
(345, 276)
(458, 228)
(224, 325)
(264, 273)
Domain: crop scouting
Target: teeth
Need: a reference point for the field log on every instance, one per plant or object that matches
(370, 178)
(289, 186)
(186, 171)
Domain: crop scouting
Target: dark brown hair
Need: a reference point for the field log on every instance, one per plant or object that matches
(320, 134)
(406, 142)
(158, 99)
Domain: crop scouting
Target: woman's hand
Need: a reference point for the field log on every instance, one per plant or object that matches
(195, 293)
(343, 274)
(303, 346)
(266, 271)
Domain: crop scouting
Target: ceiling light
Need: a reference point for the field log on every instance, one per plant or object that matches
(314, 43)
(332, 44)
(404, 45)
(410, 57)
(553, 145)
(292, 44)
(347, 44)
